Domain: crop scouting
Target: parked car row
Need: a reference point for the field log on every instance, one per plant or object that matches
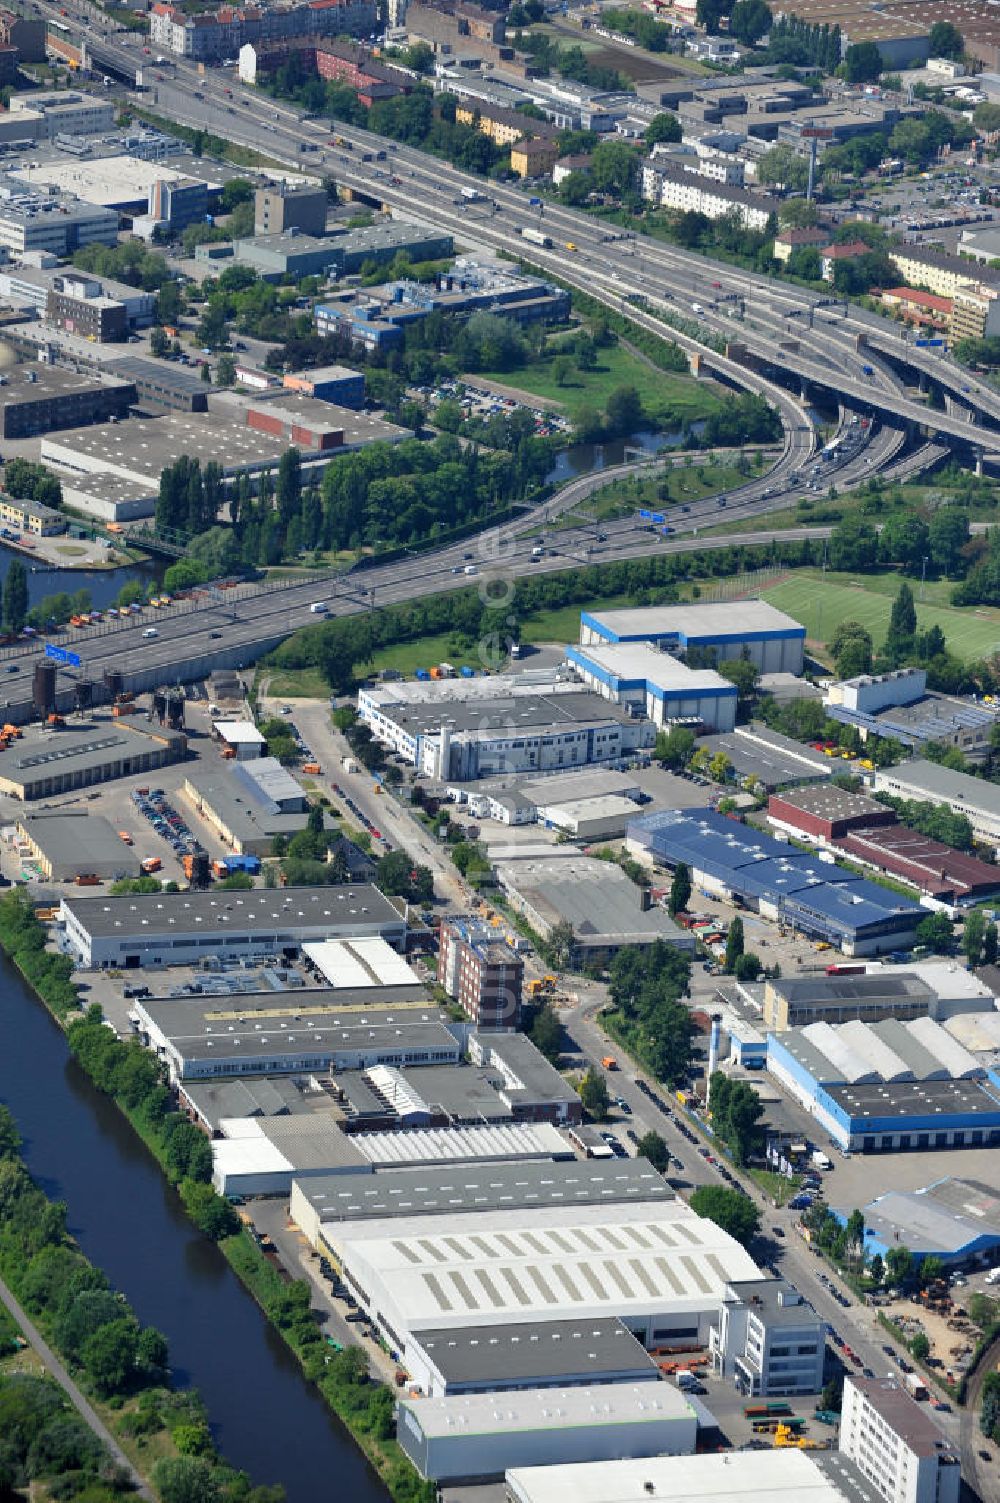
(165, 820)
(361, 817)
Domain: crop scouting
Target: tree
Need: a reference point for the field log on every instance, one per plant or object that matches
(730, 1209)
(920, 1347)
(748, 966)
(862, 62)
(663, 127)
(624, 409)
(853, 545)
(734, 944)
(989, 1415)
(674, 747)
(736, 1112)
(781, 167)
(899, 1265)
(876, 1269)
(990, 944)
(562, 371)
(709, 13)
(594, 1095)
(15, 596)
(973, 934)
(646, 984)
(652, 1146)
(851, 646)
(186, 1479)
(210, 1213)
(902, 625)
(225, 370)
(109, 1355)
(947, 536)
(743, 673)
(749, 21)
(931, 1269)
(10, 1138)
(546, 1033)
(935, 932)
(680, 890)
(560, 944)
(159, 343)
(945, 40)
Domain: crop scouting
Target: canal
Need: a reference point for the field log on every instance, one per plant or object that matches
(265, 1418)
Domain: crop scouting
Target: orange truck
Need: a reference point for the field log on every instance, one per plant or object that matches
(151, 864)
(609, 1062)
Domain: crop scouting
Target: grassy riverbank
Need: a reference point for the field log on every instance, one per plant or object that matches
(133, 1078)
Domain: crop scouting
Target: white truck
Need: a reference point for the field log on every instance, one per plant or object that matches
(993, 1277)
(820, 1160)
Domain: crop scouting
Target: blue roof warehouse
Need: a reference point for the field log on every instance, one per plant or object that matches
(783, 884)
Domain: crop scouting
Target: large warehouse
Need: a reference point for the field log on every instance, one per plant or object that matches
(70, 843)
(955, 1220)
(931, 783)
(769, 638)
(935, 988)
(789, 886)
(42, 764)
(474, 1437)
(537, 1354)
(181, 927)
(257, 1157)
(656, 684)
(446, 1189)
(656, 1265)
(279, 1033)
(460, 729)
(771, 1476)
(883, 1087)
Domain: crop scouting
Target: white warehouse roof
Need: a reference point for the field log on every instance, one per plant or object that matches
(535, 1409)
(785, 1476)
(551, 1263)
(360, 962)
(239, 733)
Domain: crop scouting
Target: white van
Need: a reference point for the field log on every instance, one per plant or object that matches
(319, 607)
(151, 632)
(469, 569)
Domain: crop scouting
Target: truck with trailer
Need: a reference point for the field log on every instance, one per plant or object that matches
(537, 237)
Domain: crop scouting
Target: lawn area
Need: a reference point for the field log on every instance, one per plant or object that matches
(295, 683)
(821, 602)
(776, 1186)
(661, 392)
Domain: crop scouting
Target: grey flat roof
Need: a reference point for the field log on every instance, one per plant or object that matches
(207, 1027)
(287, 909)
(538, 1080)
(446, 1188)
(944, 785)
(233, 806)
(77, 838)
(485, 718)
(597, 898)
(937, 1099)
(947, 1217)
(260, 1097)
(874, 986)
(462, 1091)
(75, 748)
(904, 1416)
(599, 1348)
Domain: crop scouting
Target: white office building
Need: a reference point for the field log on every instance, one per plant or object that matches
(896, 1445)
(693, 193)
(769, 1340)
(462, 729)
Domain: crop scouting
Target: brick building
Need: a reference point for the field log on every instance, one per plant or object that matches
(481, 973)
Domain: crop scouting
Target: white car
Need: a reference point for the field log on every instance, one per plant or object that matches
(151, 632)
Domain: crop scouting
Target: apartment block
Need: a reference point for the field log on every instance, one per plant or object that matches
(894, 1442)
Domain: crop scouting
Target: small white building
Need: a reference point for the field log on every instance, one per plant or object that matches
(871, 692)
(241, 737)
(895, 1444)
(476, 1436)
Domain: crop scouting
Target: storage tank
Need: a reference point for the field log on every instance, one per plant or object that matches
(44, 689)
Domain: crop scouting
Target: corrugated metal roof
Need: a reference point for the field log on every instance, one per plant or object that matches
(960, 1064)
(851, 1066)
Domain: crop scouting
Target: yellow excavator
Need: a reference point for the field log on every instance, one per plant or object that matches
(784, 1435)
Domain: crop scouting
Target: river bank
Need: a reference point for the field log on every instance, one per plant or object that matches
(127, 1217)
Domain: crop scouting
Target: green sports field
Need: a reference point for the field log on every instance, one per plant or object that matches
(821, 602)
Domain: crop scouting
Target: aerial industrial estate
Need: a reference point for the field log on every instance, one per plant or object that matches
(519, 843)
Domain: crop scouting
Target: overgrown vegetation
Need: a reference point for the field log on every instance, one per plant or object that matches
(647, 1015)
